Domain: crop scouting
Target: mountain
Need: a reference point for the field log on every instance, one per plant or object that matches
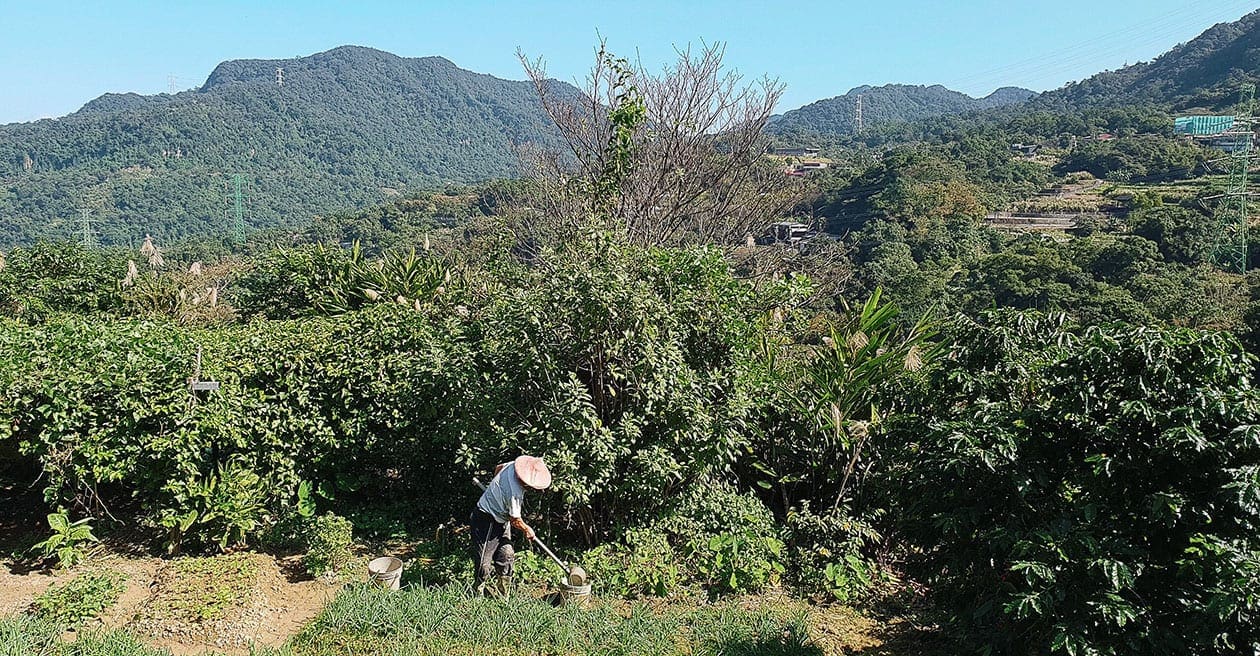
(346, 128)
(1203, 73)
(887, 104)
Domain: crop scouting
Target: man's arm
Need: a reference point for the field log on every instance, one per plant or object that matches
(520, 525)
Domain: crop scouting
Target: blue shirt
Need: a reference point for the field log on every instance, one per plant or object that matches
(504, 496)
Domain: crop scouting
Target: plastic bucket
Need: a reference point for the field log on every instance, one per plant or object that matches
(386, 571)
(579, 595)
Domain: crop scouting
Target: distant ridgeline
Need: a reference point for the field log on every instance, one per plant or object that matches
(1199, 76)
(333, 131)
(888, 104)
(353, 127)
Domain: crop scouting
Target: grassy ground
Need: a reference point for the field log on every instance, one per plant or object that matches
(446, 621)
(362, 621)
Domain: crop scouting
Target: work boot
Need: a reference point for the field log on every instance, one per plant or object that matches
(503, 587)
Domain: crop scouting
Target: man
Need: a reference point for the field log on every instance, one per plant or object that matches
(498, 511)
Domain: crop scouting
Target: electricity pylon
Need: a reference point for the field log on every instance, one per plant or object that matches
(1229, 252)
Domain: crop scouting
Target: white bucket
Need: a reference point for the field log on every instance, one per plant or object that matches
(386, 571)
(578, 595)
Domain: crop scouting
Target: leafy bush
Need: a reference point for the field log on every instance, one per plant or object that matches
(1088, 491)
(67, 540)
(446, 561)
(829, 552)
(328, 540)
(643, 565)
(738, 561)
(227, 506)
(82, 598)
(629, 370)
(39, 281)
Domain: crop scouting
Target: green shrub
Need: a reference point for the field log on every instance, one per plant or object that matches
(67, 540)
(82, 598)
(828, 553)
(1088, 491)
(226, 507)
(328, 542)
(728, 539)
(626, 368)
(738, 561)
(643, 565)
(442, 562)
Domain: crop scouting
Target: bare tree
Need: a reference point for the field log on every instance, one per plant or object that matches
(696, 170)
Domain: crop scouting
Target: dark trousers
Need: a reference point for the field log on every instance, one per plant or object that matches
(491, 547)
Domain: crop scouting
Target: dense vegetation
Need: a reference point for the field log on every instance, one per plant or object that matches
(1049, 441)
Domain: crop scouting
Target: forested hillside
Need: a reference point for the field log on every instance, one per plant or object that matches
(888, 104)
(1202, 73)
(347, 128)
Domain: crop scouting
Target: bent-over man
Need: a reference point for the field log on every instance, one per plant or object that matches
(498, 511)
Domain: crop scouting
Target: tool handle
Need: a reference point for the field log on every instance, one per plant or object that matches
(538, 541)
(553, 556)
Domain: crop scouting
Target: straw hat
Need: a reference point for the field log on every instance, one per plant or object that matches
(533, 472)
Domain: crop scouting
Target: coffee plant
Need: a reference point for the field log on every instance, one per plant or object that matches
(1088, 491)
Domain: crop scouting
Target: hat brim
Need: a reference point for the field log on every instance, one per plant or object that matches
(533, 472)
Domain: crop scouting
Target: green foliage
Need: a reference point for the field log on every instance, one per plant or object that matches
(738, 561)
(67, 540)
(51, 277)
(1088, 491)
(446, 561)
(643, 564)
(319, 279)
(830, 552)
(834, 395)
(328, 542)
(628, 369)
(82, 598)
(226, 506)
(1145, 157)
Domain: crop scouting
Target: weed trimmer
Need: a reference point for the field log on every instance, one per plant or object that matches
(575, 576)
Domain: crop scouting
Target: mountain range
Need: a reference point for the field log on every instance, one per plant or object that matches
(355, 126)
(887, 104)
(336, 130)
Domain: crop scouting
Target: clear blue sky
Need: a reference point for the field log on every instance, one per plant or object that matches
(55, 56)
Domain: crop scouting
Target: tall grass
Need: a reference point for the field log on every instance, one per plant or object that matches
(446, 621)
(25, 635)
(420, 621)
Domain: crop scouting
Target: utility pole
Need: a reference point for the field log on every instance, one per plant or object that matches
(279, 76)
(1229, 252)
(857, 113)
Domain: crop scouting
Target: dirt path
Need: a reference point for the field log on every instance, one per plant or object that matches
(281, 600)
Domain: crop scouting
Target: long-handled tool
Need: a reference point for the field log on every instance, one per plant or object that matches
(575, 575)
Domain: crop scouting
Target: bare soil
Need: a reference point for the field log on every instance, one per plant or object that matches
(280, 599)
